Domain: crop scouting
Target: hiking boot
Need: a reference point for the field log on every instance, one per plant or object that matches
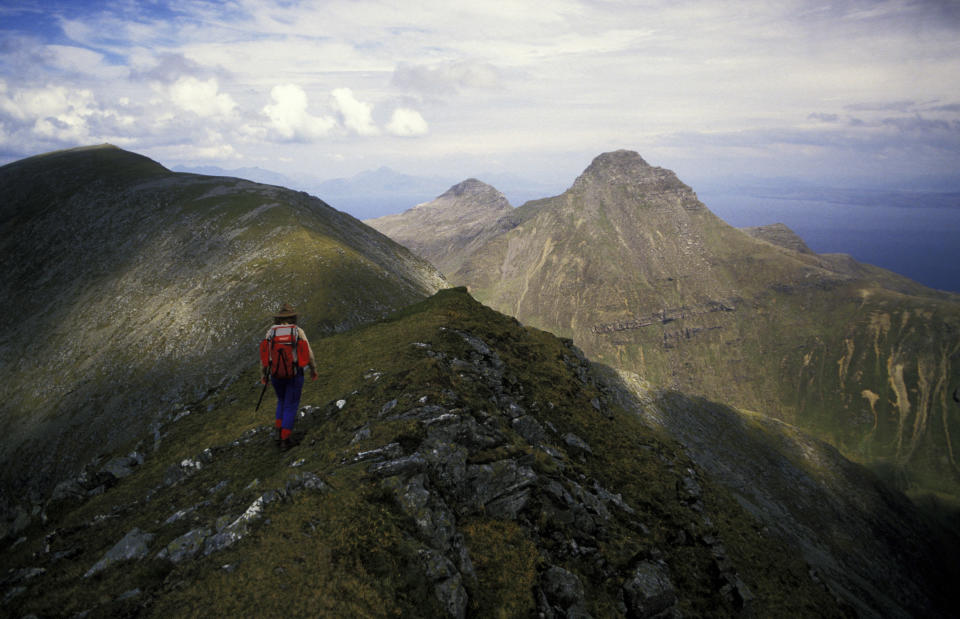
(285, 444)
(277, 438)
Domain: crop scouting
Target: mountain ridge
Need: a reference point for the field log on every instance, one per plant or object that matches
(645, 277)
(150, 286)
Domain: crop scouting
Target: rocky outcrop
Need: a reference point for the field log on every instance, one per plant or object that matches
(780, 235)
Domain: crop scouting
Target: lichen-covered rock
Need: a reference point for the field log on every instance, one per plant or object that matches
(186, 546)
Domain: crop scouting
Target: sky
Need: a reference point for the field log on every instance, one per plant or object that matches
(837, 92)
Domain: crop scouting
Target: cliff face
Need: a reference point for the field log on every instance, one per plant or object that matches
(631, 265)
(454, 463)
(129, 291)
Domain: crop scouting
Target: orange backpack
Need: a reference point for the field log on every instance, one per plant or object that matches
(283, 351)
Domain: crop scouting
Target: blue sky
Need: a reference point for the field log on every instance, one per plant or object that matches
(834, 92)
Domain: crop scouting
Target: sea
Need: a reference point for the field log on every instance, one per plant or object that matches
(919, 241)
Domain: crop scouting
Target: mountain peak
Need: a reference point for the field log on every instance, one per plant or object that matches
(617, 165)
(626, 167)
(471, 186)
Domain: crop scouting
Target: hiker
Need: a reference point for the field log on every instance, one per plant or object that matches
(284, 352)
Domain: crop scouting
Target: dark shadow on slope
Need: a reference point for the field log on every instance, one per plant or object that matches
(870, 545)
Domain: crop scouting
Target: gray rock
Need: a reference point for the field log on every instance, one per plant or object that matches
(562, 587)
(67, 490)
(305, 479)
(434, 521)
(530, 429)
(236, 530)
(22, 575)
(387, 452)
(609, 497)
(134, 545)
(505, 480)
(121, 467)
(448, 584)
(436, 566)
(649, 591)
(220, 541)
(362, 434)
(407, 465)
(462, 429)
(186, 546)
(173, 474)
(576, 443)
(453, 596)
(447, 465)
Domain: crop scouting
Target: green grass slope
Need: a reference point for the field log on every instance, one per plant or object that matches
(644, 277)
(450, 462)
(128, 290)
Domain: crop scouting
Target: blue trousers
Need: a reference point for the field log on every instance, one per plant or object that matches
(288, 399)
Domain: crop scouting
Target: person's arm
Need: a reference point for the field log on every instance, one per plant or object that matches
(312, 364)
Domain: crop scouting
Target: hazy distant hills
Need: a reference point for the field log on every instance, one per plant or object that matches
(129, 291)
(377, 192)
(631, 265)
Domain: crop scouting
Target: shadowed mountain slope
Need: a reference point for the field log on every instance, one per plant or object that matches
(454, 463)
(129, 291)
(644, 277)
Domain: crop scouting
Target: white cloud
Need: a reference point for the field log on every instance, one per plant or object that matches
(52, 112)
(357, 115)
(289, 116)
(446, 78)
(558, 77)
(201, 97)
(82, 60)
(407, 123)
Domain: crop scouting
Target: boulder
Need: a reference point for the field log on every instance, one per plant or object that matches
(134, 545)
(649, 591)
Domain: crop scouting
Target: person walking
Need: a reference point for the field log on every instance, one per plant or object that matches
(284, 353)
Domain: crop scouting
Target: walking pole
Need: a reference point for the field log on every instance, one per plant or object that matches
(262, 391)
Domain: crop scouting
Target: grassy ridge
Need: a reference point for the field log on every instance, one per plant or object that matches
(161, 285)
(350, 550)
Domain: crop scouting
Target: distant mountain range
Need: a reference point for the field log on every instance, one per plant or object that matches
(451, 461)
(632, 266)
(372, 193)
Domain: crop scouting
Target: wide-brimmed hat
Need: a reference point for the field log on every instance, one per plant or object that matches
(286, 311)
